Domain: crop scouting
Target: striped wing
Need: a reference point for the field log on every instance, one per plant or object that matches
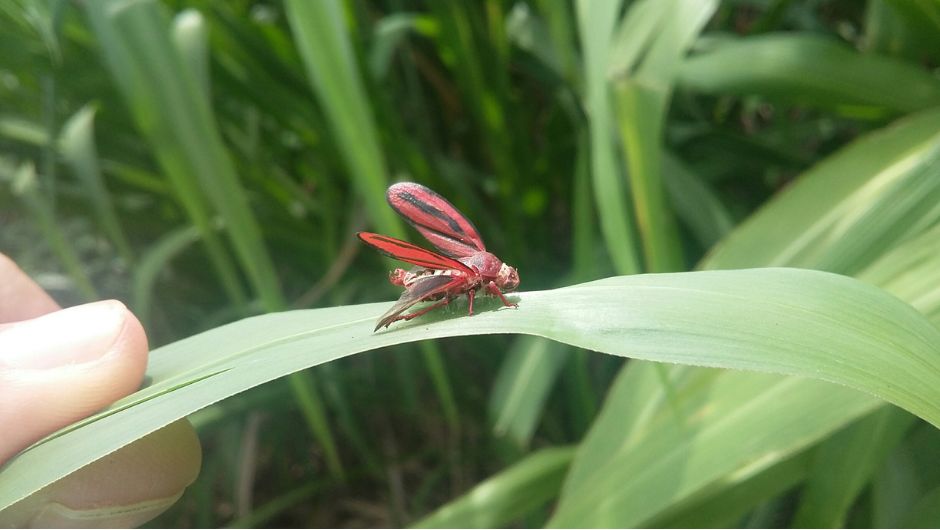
(421, 289)
(409, 253)
(436, 218)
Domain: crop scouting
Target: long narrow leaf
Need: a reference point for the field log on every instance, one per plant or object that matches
(324, 44)
(77, 142)
(641, 99)
(522, 387)
(680, 450)
(812, 69)
(844, 464)
(500, 499)
(596, 20)
(879, 190)
(871, 209)
(162, 107)
(787, 321)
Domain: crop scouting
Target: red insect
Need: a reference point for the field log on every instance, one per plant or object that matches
(466, 268)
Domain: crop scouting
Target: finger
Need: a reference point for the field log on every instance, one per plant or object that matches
(123, 490)
(20, 297)
(63, 366)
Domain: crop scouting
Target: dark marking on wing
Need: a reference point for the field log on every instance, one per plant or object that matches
(432, 211)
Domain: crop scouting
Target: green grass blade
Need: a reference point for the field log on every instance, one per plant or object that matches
(904, 479)
(903, 28)
(727, 502)
(641, 99)
(259, 516)
(635, 34)
(683, 451)
(926, 512)
(130, 36)
(152, 263)
(640, 394)
(811, 69)
(172, 108)
(437, 371)
(529, 372)
(529, 33)
(844, 464)
(695, 202)
(474, 46)
(192, 44)
(596, 20)
(548, 34)
(789, 321)
(23, 130)
(25, 187)
(561, 29)
(186, 128)
(305, 391)
(522, 385)
(506, 496)
(324, 45)
(584, 230)
(640, 112)
(77, 144)
(42, 17)
(911, 271)
(323, 42)
(843, 213)
(389, 32)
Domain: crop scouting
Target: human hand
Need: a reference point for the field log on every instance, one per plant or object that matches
(58, 366)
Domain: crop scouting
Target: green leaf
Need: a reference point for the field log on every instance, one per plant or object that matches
(192, 44)
(695, 202)
(908, 28)
(847, 210)
(506, 496)
(596, 21)
(842, 214)
(171, 107)
(674, 450)
(152, 263)
(682, 449)
(926, 513)
(77, 143)
(173, 113)
(788, 321)
(844, 464)
(25, 186)
(641, 99)
(725, 503)
(905, 480)
(389, 32)
(522, 387)
(911, 271)
(323, 42)
(810, 69)
(529, 33)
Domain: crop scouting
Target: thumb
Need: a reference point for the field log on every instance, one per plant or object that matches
(63, 366)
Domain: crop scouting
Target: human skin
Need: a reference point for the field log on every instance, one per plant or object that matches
(58, 366)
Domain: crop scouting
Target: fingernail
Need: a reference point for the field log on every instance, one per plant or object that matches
(71, 336)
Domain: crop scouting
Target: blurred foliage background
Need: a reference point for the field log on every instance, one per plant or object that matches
(205, 161)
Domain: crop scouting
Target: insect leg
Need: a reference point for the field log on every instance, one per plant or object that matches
(431, 307)
(494, 290)
(470, 295)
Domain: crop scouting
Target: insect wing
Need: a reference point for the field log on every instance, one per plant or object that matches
(422, 288)
(436, 218)
(409, 253)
